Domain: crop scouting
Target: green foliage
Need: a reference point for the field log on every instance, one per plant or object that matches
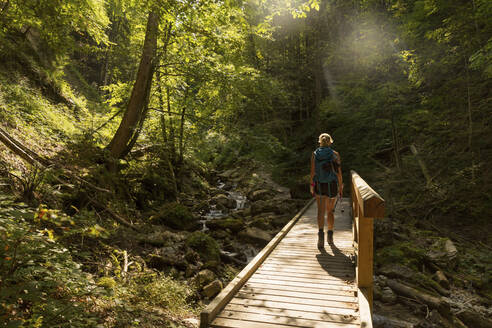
(41, 285)
(204, 245)
(176, 216)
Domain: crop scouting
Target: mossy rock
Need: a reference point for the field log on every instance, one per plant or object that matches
(204, 245)
(235, 225)
(262, 223)
(176, 216)
(404, 253)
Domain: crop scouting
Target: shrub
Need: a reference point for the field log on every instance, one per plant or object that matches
(41, 285)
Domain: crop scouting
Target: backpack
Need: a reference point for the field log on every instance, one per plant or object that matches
(325, 165)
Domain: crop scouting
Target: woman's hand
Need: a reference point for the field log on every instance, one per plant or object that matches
(311, 189)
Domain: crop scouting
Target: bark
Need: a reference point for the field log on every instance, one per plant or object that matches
(136, 105)
(432, 301)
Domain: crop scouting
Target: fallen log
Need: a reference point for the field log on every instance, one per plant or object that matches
(118, 218)
(432, 301)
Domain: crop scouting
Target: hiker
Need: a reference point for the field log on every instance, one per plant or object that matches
(326, 183)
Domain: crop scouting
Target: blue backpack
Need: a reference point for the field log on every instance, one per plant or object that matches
(324, 165)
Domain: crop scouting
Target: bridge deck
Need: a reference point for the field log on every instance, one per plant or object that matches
(298, 285)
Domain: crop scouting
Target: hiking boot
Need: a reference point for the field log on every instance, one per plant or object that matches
(321, 237)
(329, 238)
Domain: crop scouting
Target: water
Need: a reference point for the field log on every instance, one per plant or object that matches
(214, 213)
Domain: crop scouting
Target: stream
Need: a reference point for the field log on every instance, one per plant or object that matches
(249, 251)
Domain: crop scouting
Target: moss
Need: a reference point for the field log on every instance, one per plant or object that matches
(204, 245)
(404, 253)
(176, 216)
(235, 225)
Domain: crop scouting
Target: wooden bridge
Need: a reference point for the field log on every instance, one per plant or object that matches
(291, 283)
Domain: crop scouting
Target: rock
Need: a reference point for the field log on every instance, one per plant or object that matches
(204, 245)
(160, 262)
(227, 174)
(441, 279)
(262, 206)
(394, 270)
(224, 201)
(443, 253)
(204, 277)
(260, 222)
(261, 194)
(234, 225)
(450, 249)
(212, 289)
(159, 238)
(280, 221)
(256, 236)
(387, 296)
(176, 216)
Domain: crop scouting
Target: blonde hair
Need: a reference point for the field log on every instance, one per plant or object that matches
(325, 139)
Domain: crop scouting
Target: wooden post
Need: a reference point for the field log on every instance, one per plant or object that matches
(365, 257)
(366, 205)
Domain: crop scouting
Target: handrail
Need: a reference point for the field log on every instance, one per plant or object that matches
(366, 205)
(211, 311)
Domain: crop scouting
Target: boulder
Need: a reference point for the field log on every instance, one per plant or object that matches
(394, 270)
(212, 289)
(387, 296)
(234, 225)
(204, 245)
(262, 206)
(223, 200)
(443, 253)
(255, 236)
(260, 222)
(204, 277)
(228, 174)
(261, 194)
(176, 216)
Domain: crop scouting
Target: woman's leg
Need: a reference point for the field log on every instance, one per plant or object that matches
(320, 200)
(329, 206)
(321, 211)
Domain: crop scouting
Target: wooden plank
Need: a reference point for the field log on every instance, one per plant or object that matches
(299, 274)
(364, 308)
(291, 321)
(296, 307)
(299, 279)
(315, 257)
(334, 266)
(299, 294)
(207, 315)
(293, 313)
(301, 284)
(297, 300)
(316, 270)
(311, 290)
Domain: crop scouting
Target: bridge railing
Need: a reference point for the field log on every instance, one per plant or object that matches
(366, 206)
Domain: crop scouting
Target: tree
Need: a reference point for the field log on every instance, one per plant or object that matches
(134, 115)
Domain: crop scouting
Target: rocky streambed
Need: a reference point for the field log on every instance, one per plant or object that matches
(216, 228)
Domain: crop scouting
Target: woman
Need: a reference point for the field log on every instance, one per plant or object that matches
(326, 183)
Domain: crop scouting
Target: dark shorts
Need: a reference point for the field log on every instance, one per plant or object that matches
(326, 189)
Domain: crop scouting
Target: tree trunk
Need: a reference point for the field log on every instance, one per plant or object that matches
(136, 105)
